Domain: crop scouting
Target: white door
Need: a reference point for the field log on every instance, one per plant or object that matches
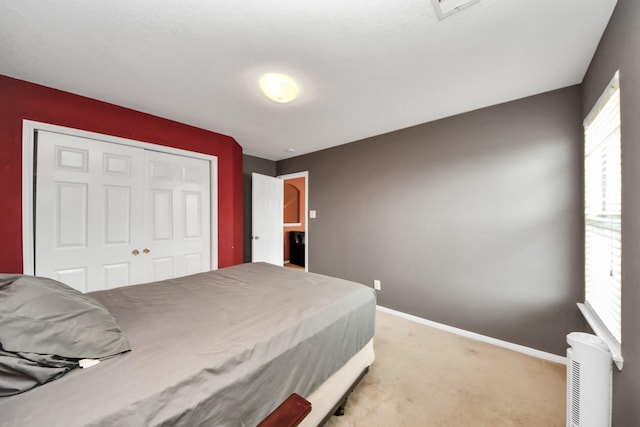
(178, 226)
(110, 215)
(267, 219)
(88, 212)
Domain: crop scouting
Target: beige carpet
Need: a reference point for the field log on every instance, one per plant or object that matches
(426, 377)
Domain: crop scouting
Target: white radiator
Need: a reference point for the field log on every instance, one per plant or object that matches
(589, 370)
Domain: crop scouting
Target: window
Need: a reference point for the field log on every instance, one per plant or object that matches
(602, 212)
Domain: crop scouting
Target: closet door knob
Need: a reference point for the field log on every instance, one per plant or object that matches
(135, 252)
(146, 250)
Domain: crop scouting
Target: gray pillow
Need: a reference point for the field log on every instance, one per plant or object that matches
(46, 327)
(43, 316)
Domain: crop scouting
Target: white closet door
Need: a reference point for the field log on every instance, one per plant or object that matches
(89, 212)
(178, 228)
(110, 215)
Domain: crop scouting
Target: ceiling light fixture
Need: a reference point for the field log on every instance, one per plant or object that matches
(445, 8)
(279, 87)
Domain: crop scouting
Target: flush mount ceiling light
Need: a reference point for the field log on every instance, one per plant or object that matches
(279, 87)
(446, 8)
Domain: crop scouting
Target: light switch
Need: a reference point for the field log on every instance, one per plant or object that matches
(312, 214)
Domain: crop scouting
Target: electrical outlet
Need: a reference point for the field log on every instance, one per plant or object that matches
(376, 285)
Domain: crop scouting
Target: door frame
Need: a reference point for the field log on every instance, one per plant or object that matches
(304, 175)
(29, 128)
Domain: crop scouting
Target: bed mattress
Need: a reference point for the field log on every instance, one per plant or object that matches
(221, 348)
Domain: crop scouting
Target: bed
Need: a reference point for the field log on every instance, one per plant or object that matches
(221, 348)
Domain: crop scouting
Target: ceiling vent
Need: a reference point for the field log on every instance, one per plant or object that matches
(446, 8)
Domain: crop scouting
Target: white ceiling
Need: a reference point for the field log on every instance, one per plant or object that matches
(364, 67)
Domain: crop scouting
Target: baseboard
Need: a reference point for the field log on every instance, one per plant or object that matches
(478, 337)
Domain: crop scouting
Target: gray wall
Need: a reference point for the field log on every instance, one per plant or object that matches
(251, 164)
(473, 221)
(620, 49)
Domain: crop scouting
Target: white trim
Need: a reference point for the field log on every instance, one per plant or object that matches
(213, 212)
(304, 175)
(614, 84)
(603, 332)
(610, 332)
(28, 154)
(477, 337)
(29, 127)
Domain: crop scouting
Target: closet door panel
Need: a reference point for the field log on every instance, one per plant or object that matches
(117, 274)
(178, 195)
(89, 211)
(118, 215)
(161, 207)
(192, 214)
(162, 268)
(70, 215)
(193, 263)
(74, 277)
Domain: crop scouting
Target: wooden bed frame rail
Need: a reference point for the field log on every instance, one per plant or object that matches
(289, 414)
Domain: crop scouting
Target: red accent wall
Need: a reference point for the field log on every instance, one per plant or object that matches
(22, 100)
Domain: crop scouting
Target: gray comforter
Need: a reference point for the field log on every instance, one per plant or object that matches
(222, 348)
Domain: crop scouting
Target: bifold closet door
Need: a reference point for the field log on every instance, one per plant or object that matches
(88, 212)
(178, 207)
(110, 215)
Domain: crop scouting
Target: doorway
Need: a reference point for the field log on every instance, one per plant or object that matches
(295, 228)
(270, 233)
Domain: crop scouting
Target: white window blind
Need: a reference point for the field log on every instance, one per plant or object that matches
(603, 208)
